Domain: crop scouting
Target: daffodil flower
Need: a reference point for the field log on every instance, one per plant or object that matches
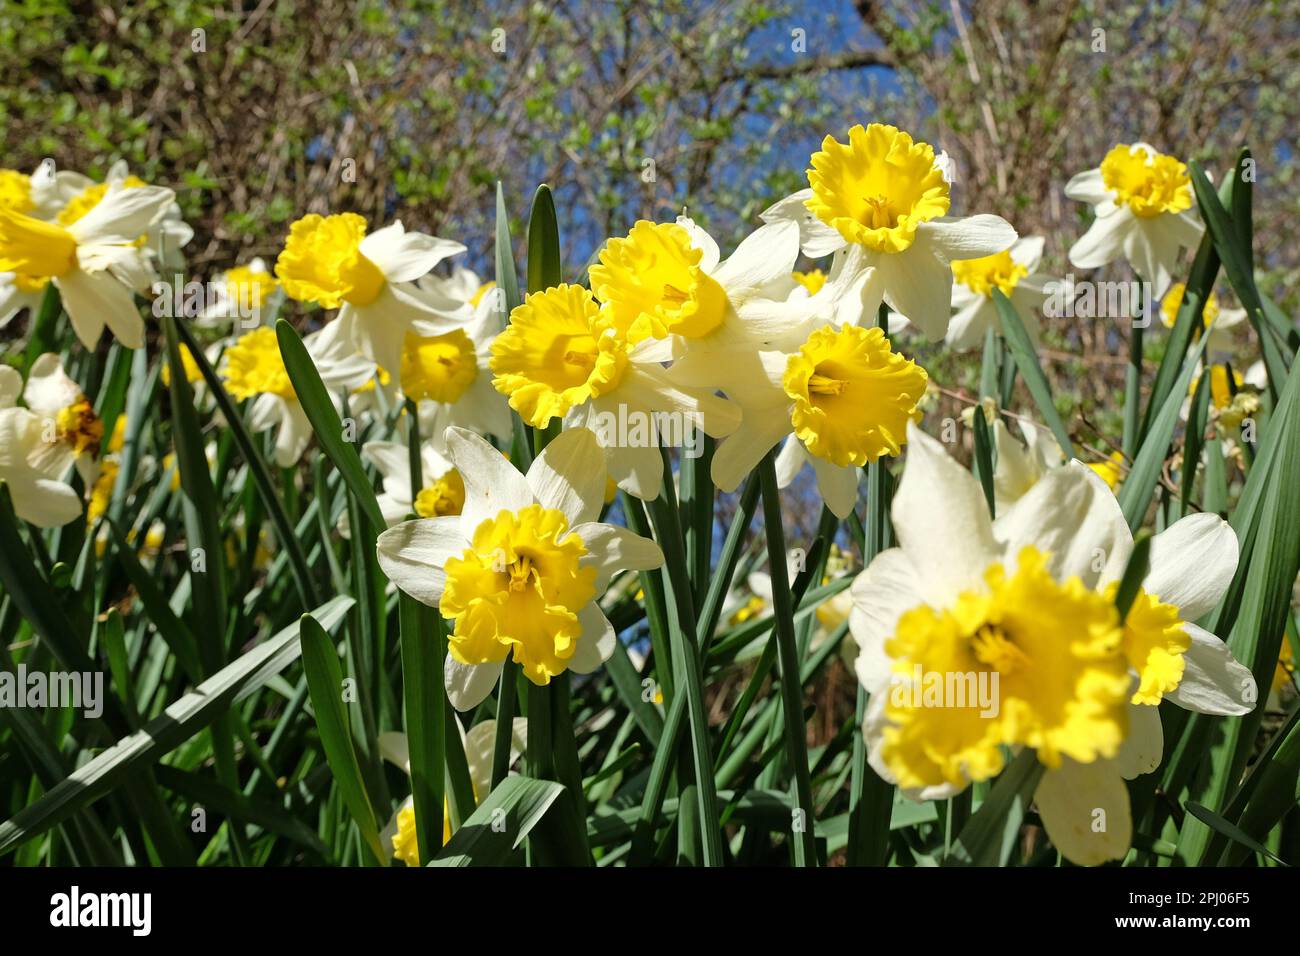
(521, 568)
(1216, 321)
(1013, 272)
(880, 204)
(563, 355)
(1025, 604)
(398, 837)
(843, 397)
(95, 262)
(669, 282)
(255, 369)
(240, 294)
(450, 377)
(370, 278)
(1145, 212)
(443, 492)
(28, 467)
(73, 430)
(65, 196)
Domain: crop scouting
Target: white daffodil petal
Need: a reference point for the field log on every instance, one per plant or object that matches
(468, 685)
(1214, 682)
(611, 548)
(1085, 810)
(569, 476)
(888, 587)
(1144, 746)
(49, 389)
(394, 748)
(919, 285)
(596, 643)
(95, 299)
(973, 237)
(1072, 516)
(1192, 564)
(492, 484)
(942, 520)
(414, 555)
(838, 485)
(1088, 187)
(1104, 240)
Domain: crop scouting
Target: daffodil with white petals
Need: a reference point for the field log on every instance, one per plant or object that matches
(521, 568)
(18, 292)
(843, 397)
(1216, 321)
(1013, 272)
(239, 296)
(450, 377)
(73, 430)
(442, 492)
(255, 369)
(564, 355)
(31, 466)
(95, 261)
(398, 837)
(669, 282)
(879, 202)
(336, 263)
(1028, 599)
(1145, 209)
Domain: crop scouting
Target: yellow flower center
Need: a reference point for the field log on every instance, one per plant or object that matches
(556, 353)
(15, 191)
(653, 284)
(1150, 184)
(254, 367)
(1154, 644)
(853, 396)
(982, 276)
(34, 249)
(813, 280)
(1173, 300)
(322, 262)
(446, 496)
(519, 585)
(439, 368)
(876, 188)
(1111, 470)
(79, 427)
(90, 197)
(248, 289)
(1025, 662)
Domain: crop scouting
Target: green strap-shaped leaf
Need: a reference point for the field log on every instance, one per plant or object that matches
(990, 837)
(1022, 350)
(325, 422)
(178, 723)
(320, 661)
(544, 265)
(520, 808)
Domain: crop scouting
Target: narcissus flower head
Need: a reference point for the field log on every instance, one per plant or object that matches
(880, 204)
(1144, 209)
(558, 351)
(519, 570)
(876, 188)
(654, 284)
(1029, 600)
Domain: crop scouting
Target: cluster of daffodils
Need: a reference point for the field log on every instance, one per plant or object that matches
(669, 347)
